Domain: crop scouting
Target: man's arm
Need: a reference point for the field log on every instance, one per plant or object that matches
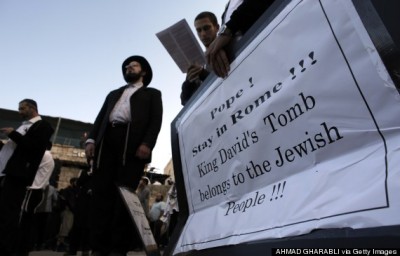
(189, 87)
(38, 138)
(241, 20)
(247, 14)
(93, 135)
(155, 120)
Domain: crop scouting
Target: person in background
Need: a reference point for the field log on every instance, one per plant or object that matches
(41, 218)
(206, 25)
(171, 211)
(19, 160)
(34, 196)
(79, 234)
(83, 140)
(68, 201)
(143, 193)
(238, 17)
(156, 211)
(120, 145)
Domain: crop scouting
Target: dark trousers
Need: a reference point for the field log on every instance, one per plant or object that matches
(39, 227)
(11, 221)
(79, 235)
(156, 230)
(112, 228)
(31, 201)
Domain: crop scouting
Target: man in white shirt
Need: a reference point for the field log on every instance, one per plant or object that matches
(20, 163)
(10, 145)
(33, 197)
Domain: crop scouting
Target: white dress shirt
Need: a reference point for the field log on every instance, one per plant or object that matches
(122, 110)
(44, 171)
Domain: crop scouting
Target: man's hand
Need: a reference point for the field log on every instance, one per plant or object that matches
(89, 151)
(216, 56)
(143, 152)
(193, 72)
(6, 130)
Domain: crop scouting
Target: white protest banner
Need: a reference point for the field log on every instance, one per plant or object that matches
(303, 134)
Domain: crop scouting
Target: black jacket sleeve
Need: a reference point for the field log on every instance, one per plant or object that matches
(189, 88)
(28, 154)
(247, 14)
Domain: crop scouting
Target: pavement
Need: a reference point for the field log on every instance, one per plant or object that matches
(53, 253)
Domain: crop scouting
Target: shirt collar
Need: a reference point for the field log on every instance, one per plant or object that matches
(33, 120)
(136, 85)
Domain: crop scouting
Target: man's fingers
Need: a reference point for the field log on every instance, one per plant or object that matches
(221, 64)
(143, 152)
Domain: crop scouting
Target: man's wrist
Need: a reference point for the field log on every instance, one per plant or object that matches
(224, 31)
(89, 141)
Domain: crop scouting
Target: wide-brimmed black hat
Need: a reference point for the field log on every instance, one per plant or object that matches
(145, 67)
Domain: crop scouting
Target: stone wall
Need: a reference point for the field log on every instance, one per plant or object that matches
(72, 160)
(69, 154)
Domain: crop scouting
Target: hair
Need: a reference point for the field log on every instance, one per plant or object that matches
(30, 102)
(211, 16)
(161, 196)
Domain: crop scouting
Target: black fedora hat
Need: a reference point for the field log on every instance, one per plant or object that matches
(145, 67)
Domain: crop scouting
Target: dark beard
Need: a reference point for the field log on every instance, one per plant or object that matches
(132, 77)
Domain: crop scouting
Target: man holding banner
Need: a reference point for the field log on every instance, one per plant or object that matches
(238, 17)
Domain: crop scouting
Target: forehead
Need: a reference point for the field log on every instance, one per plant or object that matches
(133, 63)
(202, 22)
(23, 105)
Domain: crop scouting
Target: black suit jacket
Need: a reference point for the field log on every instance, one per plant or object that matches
(146, 118)
(28, 154)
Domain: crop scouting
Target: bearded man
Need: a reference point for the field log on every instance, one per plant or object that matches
(118, 148)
